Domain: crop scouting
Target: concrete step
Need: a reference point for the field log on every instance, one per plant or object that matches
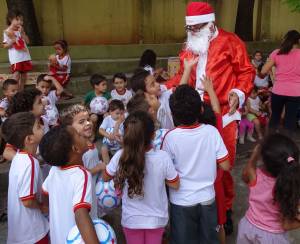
(82, 67)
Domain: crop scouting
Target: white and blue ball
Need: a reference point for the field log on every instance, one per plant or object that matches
(104, 231)
(99, 105)
(107, 196)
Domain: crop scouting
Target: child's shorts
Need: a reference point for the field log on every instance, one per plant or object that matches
(249, 233)
(63, 79)
(21, 67)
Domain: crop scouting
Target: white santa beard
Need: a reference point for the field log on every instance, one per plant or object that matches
(198, 42)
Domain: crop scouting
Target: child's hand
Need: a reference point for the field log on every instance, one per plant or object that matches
(207, 84)
(118, 137)
(111, 137)
(188, 63)
(258, 113)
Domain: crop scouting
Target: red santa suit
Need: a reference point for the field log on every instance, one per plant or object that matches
(229, 68)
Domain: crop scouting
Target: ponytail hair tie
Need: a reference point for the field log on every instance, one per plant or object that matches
(290, 159)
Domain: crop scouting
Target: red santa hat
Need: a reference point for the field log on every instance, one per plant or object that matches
(198, 13)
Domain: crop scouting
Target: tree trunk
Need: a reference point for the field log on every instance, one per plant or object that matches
(30, 22)
(244, 20)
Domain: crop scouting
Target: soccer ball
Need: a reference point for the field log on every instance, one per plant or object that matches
(99, 105)
(104, 231)
(107, 196)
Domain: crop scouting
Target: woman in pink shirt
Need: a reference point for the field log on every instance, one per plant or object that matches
(274, 195)
(286, 90)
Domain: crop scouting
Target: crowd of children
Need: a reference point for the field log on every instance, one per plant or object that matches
(162, 148)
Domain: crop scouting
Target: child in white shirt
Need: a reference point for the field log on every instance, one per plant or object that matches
(50, 97)
(121, 92)
(141, 173)
(144, 81)
(196, 150)
(68, 185)
(26, 223)
(10, 87)
(29, 100)
(78, 117)
(15, 39)
(111, 129)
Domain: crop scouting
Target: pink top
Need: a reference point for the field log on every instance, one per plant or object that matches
(287, 76)
(262, 211)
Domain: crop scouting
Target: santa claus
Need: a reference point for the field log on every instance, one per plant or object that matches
(223, 58)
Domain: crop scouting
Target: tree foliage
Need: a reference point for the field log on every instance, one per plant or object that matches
(293, 4)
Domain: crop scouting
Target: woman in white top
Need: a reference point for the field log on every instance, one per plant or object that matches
(141, 173)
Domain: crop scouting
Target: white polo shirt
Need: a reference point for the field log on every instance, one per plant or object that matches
(52, 114)
(68, 188)
(14, 55)
(195, 151)
(90, 160)
(151, 210)
(25, 225)
(64, 63)
(125, 97)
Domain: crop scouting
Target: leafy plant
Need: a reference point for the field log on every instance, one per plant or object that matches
(293, 4)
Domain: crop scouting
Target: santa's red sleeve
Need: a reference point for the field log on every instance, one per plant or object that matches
(241, 66)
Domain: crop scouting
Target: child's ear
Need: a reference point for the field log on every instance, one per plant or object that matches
(28, 140)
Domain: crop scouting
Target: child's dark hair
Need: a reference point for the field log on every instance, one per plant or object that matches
(116, 104)
(64, 45)
(120, 76)
(41, 77)
(56, 145)
(138, 103)
(11, 14)
(148, 58)
(256, 52)
(281, 159)
(208, 116)
(255, 89)
(17, 127)
(9, 82)
(139, 129)
(185, 105)
(96, 79)
(291, 38)
(23, 101)
(137, 81)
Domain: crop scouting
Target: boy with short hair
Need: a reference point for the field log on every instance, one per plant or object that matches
(26, 223)
(10, 87)
(99, 85)
(120, 92)
(111, 129)
(50, 97)
(144, 81)
(68, 185)
(196, 149)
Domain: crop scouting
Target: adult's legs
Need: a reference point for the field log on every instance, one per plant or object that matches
(291, 109)
(277, 105)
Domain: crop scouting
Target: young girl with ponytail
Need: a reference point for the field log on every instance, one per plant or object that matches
(141, 172)
(274, 197)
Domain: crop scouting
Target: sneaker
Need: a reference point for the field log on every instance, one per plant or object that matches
(251, 138)
(242, 140)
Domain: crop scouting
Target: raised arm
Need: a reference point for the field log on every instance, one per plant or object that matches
(59, 88)
(209, 88)
(249, 172)
(188, 65)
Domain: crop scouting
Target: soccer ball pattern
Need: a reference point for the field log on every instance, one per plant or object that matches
(107, 196)
(99, 105)
(104, 231)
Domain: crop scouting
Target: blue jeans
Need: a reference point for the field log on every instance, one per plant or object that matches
(194, 224)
